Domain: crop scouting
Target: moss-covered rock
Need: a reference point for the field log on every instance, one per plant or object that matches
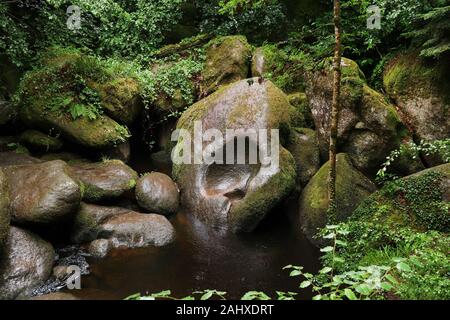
(419, 201)
(63, 95)
(104, 180)
(421, 90)
(227, 61)
(352, 187)
(5, 214)
(369, 127)
(38, 141)
(121, 100)
(305, 150)
(237, 196)
(284, 71)
(245, 215)
(301, 115)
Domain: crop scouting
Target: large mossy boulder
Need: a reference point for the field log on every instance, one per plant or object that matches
(369, 127)
(236, 196)
(25, 263)
(227, 61)
(121, 100)
(421, 90)
(352, 187)
(42, 193)
(40, 142)
(73, 94)
(304, 148)
(5, 214)
(420, 201)
(104, 180)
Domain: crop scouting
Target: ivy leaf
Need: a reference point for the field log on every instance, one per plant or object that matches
(403, 267)
(386, 286)
(363, 289)
(326, 249)
(391, 279)
(305, 284)
(207, 295)
(295, 273)
(325, 270)
(350, 294)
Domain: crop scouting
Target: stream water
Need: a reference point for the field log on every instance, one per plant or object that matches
(204, 258)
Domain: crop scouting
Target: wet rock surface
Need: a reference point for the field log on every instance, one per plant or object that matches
(42, 193)
(104, 180)
(121, 227)
(88, 220)
(99, 248)
(66, 258)
(11, 158)
(26, 263)
(137, 230)
(157, 193)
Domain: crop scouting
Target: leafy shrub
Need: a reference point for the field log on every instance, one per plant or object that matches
(259, 21)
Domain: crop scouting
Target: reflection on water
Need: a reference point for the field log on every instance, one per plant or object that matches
(203, 258)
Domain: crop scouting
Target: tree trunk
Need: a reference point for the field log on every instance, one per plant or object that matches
(332, 205)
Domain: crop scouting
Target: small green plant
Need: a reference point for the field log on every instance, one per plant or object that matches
(413, 151)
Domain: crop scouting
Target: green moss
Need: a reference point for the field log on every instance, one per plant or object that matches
(375, 244)
(120, 99)
(301, 115)
(352, 187)
(249, 212)
(408, 74)
(95, 194)
(349, 68)
(132, 183)
(62, 93)
(415, 202)
(39, 141)
(285, 71)
(227, 61)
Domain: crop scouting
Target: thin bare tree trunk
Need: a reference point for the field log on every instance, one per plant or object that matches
(335, 111)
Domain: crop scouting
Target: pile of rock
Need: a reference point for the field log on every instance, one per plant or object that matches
(42, 196)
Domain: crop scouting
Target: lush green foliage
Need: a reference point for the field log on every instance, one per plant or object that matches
(432, 36)
(128, 28)
(413, 151)
(416, 202)
(259, 21)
